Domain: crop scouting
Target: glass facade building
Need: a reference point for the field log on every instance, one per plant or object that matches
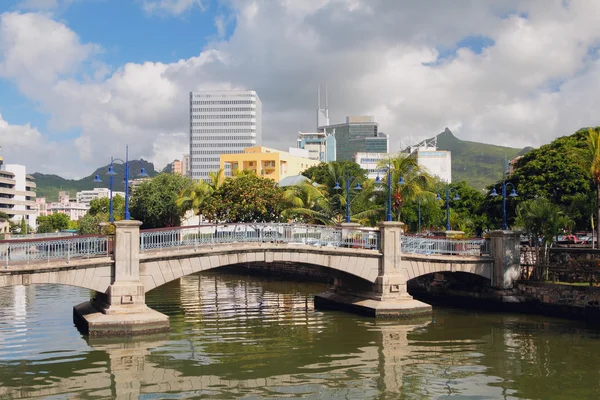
(356, 135)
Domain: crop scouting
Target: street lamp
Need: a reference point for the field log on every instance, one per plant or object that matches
(338, 187)
(111, 173)
(513, 193)
(456, 198)
(389, 216)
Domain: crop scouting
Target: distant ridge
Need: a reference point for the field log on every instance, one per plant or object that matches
(48, 185)
(478, 164)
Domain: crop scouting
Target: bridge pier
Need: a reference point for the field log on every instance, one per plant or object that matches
(388, 296)
(505, 249)
(122, 310)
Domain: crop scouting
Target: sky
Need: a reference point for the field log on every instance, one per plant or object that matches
(81, 79)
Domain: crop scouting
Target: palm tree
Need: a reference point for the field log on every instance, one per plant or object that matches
(309, 203)
(195, 196)
(416, 181)
(591, 160)
(542, 219)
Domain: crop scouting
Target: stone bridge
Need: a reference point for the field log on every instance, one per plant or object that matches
(368, 267)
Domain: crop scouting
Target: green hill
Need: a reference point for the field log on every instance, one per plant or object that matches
(48, 186)
(478, 164)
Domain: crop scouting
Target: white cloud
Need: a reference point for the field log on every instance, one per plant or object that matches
(172, 7)
(24, 144)
(536, 80)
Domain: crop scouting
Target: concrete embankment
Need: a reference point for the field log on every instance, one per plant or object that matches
(550, 299)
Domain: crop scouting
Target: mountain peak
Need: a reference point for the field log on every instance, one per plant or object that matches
(447, 133)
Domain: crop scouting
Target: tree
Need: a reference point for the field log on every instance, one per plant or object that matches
(555, 172)
(541, 219)
(53, 223)
(416, 181)
(102, 206)
(308, 203)
(322, 173)
(23, 226)
(589, 157)
(90, 224)
(246, 198)
(467, 215)
(154, 202)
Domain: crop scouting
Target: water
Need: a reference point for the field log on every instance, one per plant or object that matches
(234, 336)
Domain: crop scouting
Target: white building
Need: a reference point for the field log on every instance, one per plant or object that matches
(435, 162)
(369, 161)
(17, 193)
(86, 196)
(74, 210)
(222, 122)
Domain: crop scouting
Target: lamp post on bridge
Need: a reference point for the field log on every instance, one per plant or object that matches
(389, 216)
(347, 179)
(513, 193)
(111, 173)
(456, 198)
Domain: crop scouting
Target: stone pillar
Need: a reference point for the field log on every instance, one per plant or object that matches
(122, 310)
(126, 291)
(506, 251)
(391, 282)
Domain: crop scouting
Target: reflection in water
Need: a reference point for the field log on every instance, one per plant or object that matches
(243, 337)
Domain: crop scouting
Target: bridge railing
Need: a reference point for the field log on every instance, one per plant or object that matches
(211, 235)
(440, 245)
(25, 251)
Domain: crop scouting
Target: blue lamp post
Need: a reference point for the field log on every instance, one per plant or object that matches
(338, 187)
(456, 198)
(389, 216)
(513, 193)
(111, 173)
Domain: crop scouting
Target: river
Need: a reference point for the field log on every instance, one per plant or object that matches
(235, 336)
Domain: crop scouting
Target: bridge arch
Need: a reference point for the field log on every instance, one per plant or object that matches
(94, 274)
(160, 267)
(417, 265)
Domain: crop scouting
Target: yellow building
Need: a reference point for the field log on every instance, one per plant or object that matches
(266, 162)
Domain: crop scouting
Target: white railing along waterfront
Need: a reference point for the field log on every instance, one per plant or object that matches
(459, 247)
(25, 251)
(211, 235)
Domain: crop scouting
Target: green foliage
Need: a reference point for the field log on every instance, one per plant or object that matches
(23, 228)
(245, 198)
(154, 202)
(90, 224)
(53, 223)
(102, 206)
(322, 173)
(328, 174)
(540, 218)
(195, 196)
(553, 172)
(307, 203)
(467, 215)
(432, 215)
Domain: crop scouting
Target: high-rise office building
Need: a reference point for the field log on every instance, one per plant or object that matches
(222, 122)
(358, 134)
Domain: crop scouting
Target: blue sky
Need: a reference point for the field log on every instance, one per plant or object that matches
(80, 79)
(127, 33)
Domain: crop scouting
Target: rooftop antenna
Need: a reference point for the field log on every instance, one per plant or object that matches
(326, 105)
